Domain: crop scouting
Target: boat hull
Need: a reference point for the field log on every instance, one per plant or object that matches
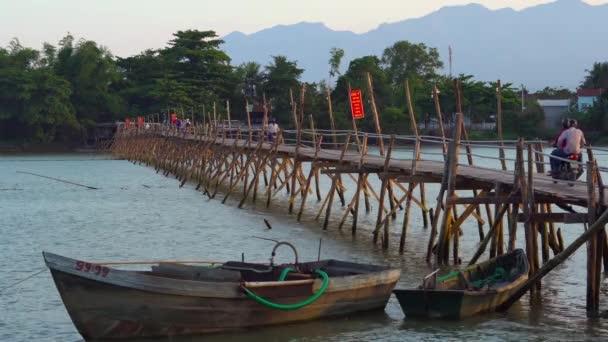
(460, 303)
(106, 310)
(449, 303)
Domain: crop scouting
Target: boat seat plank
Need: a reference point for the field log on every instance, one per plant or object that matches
(201, 273)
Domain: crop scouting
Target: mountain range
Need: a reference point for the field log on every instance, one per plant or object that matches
(545, 45)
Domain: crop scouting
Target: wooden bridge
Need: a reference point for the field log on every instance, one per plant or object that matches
(240, 162)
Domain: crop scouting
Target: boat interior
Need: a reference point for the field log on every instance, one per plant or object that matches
(489, 275)
(234, 271)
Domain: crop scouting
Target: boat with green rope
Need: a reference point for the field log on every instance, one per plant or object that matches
(173, 298)
(477, 289)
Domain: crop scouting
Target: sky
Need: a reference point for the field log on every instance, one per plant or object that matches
(128, 27)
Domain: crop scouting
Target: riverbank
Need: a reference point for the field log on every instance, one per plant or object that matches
(9, 147)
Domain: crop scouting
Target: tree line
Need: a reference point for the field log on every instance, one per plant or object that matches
(56, 93)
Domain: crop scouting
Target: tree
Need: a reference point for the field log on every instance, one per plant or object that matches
(281, 76)
(356, 76)
(597, 77)
(551, 93)
(142, 85)
(195, 61)
(91, 70)
(335, 59)
(251, 80)
(405, 60)
(34, 101)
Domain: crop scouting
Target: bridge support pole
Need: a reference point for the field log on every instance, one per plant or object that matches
(448, 187)
(594, 245)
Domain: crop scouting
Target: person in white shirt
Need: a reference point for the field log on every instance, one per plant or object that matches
(273, 130)
(570, 142)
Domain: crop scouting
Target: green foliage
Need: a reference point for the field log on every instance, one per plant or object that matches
(335, 59)
(201, 70)
(527, 124)
(34, 101)
(405, 60)
(594, 120)
(597, 77)
(549, 93)
(281, 76)
(55, 93)
(90, 70)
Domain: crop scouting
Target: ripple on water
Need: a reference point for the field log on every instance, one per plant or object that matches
(125, 220)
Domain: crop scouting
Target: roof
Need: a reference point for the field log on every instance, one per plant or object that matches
(259, 108)
(554, 103)
(590, 92)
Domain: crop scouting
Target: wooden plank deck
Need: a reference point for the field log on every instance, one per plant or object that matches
(566, 192)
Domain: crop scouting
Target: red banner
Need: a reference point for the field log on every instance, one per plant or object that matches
(356, 104)
(140, 121)
(127, 122)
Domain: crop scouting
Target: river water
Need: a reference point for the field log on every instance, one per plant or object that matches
(137, 214)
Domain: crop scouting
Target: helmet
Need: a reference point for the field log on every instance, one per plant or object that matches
(572, 123)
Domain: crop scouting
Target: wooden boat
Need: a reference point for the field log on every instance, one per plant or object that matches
(173, 299)
(477, 289)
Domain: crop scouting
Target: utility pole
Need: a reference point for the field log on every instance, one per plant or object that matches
(522, 98)
(450, 50)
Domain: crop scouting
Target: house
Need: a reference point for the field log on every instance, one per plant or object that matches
(256, 113)
(587, 97)
(554, 112)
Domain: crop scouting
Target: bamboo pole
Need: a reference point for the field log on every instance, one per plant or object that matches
(501, 149)
(482, 246)
(440, 120)
(601, 198)
(331, 118)
(59, 180)
(293, 110)
(312, 129)
(383, 189)
(353, 118)
(265, 120)
(415, 158)
(248, 118)
(597, 226)
(370, 88)
(330, 198)
(593, 246)
(360, 184)
(470, 155)
(494, 244)
(452, 169)
(309, 179)
(526, 203)
(385, 236)
(228, 114)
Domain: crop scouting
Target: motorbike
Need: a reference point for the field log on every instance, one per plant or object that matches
(570, 170)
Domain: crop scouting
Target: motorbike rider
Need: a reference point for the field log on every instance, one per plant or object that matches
(565, 126)
(569, 142)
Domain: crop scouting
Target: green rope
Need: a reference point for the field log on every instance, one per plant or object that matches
(294, 306)
(447, 276)
(284, 273)
(499, 274)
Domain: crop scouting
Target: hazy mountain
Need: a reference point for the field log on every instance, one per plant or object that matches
(545, 45)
